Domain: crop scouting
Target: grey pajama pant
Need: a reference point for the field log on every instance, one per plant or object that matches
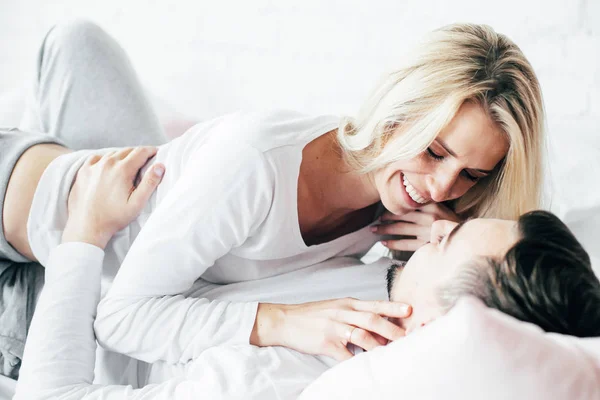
(85, 95)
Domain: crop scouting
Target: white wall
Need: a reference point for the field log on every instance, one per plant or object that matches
(207, 58)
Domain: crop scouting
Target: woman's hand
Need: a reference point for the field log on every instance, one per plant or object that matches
(327, 327)
(414, 227)
(105, 198)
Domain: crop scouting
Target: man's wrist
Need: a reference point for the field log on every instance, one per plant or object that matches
(73, 233)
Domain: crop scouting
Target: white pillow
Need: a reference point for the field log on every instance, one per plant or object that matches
(472, 353)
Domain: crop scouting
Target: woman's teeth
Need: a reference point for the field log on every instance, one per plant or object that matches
(412, 192)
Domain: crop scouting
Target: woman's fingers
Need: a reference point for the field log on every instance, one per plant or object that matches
(146, 187)
(389, 217)
(402, 228)
(415, 217)
(416, 225)
(432, 208)
(361, 338)
(381, 340)
(404, 244)
(375, 323)
(392, 309)
(340, 352)
(326, 327)
(425, 215)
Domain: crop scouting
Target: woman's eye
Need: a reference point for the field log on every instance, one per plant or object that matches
(470, 177)
(433, 155)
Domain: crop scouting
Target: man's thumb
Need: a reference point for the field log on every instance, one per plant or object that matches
(147, 186)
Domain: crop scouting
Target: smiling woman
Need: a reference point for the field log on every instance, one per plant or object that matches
(464, 152)
(460, 124)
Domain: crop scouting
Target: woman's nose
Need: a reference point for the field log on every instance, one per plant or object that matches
(440, 185)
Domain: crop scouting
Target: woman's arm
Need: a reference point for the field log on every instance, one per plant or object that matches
(60, 351)
(217, 204)
(220, 200)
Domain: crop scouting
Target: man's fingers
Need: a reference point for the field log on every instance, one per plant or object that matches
(147, 186)
(93, 159)
(137, 158)
(121, 154)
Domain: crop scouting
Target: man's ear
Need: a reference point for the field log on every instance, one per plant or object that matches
(418, 324)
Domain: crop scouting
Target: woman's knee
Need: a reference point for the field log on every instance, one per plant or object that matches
(77, 37)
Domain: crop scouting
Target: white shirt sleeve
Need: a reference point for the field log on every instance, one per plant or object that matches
(221, 199)
(60, 351)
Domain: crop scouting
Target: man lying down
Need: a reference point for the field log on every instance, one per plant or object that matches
(533, 269)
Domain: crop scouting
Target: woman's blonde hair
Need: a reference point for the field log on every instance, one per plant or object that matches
(458, 63)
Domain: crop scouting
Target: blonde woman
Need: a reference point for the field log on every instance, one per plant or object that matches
(455, 132)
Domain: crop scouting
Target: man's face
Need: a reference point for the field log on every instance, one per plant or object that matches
(452, 248)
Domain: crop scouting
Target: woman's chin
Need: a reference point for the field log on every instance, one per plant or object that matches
(397, 207)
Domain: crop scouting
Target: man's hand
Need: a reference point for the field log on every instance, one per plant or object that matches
(104, 198)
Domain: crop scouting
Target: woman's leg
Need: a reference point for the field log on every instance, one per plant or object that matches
(20, 285)
(87, 94)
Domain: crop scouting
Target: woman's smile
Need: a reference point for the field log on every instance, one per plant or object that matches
(413, 193)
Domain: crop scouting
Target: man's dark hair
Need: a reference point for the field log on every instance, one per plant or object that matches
(392, 273)
(546, 278)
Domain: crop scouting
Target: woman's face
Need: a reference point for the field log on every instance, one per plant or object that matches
(467, 150)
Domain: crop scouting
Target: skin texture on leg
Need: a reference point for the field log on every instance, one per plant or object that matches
(87, 94)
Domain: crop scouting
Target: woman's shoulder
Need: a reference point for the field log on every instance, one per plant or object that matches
(268, 130)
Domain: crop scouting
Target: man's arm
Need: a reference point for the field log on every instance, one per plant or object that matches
(60, 351)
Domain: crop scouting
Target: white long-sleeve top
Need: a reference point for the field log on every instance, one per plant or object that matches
(59, 354)
(225, 211)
